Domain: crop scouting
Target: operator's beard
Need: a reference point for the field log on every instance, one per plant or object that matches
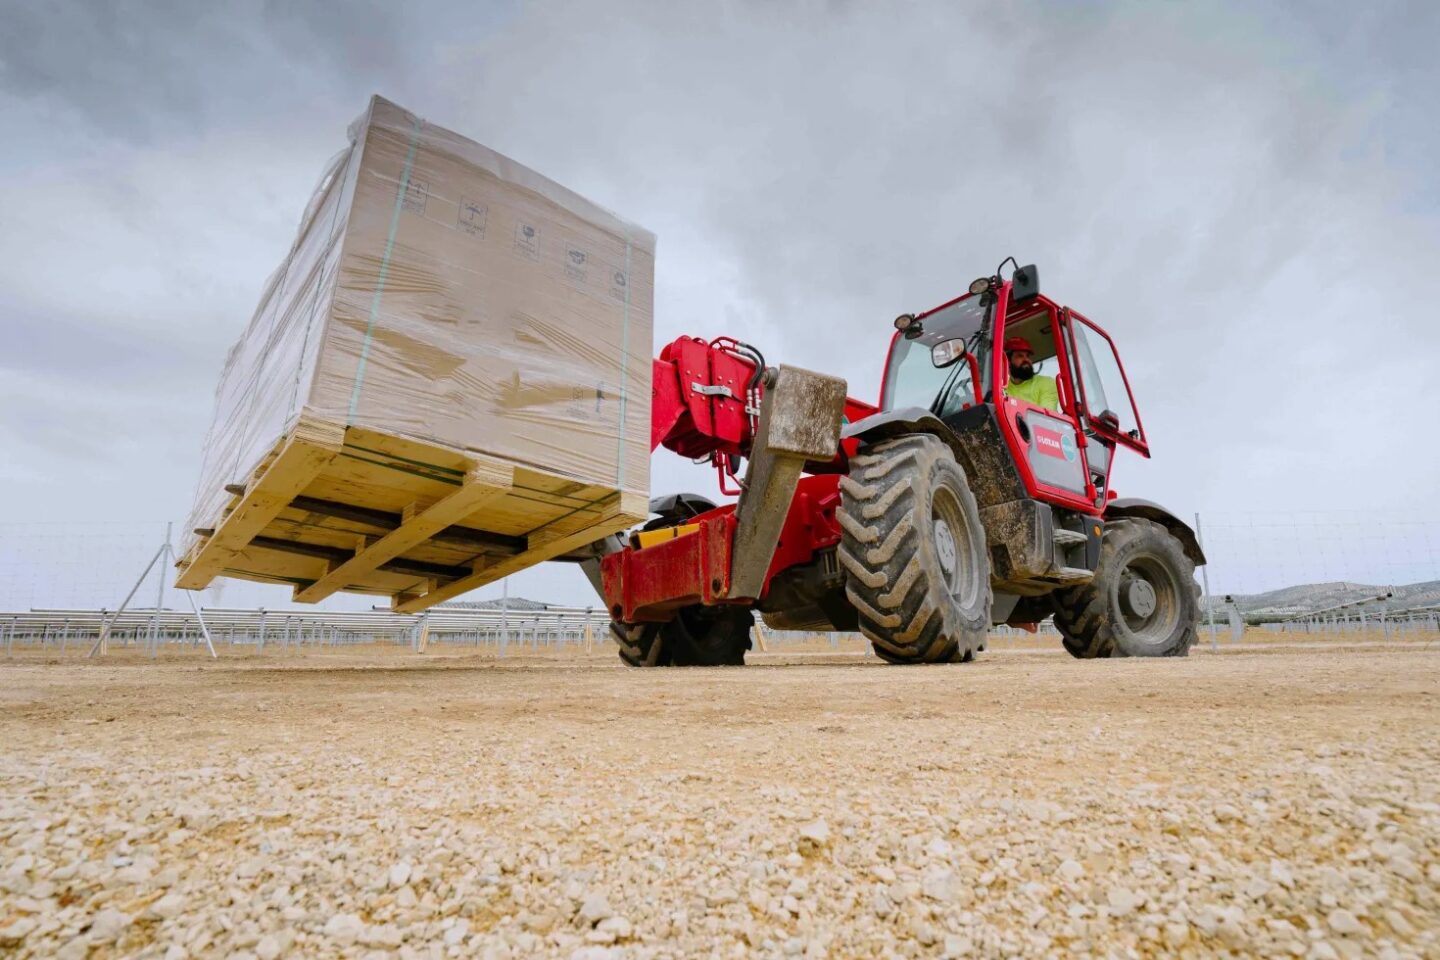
(1021, 372)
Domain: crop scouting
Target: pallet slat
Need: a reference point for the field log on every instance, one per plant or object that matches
(279, 529)
(309, 448)
(628, 510)
(486, 481)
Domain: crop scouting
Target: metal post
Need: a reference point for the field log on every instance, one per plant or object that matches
(200, 619)
(159, 597)
(102, 641)
(1205, 579)
(504, 614)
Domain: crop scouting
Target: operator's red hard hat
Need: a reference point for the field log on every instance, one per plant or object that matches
(1018, 343)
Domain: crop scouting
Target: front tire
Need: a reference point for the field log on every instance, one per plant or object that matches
(1142, 602)
(913, 549)
(696, 637)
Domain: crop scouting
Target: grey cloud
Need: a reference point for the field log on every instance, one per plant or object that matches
(1244, 194)
(149, 70)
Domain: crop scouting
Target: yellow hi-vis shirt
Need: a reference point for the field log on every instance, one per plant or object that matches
(1039, 390)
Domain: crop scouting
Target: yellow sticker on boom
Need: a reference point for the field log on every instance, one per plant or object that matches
(648, 538)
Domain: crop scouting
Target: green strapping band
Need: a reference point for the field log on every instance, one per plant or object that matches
(624, 371)
(384, 268)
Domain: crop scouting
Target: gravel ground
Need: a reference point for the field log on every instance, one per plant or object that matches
(1284, 803)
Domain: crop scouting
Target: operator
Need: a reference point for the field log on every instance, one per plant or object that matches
(1024, 383)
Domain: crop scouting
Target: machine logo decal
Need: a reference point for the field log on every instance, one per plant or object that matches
(1068, 447)
(1050, 443)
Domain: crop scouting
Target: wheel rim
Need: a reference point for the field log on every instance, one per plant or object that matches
(1148, 596)
(954, 542)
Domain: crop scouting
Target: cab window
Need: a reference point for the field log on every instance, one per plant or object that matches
(1106, 396)
(914, 379)
(1038, 329)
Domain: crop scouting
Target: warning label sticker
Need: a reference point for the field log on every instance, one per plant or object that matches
(472, 217)
(527, 240)
(575, 260)
(417, 192)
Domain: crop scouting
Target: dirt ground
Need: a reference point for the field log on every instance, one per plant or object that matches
(1279, 799)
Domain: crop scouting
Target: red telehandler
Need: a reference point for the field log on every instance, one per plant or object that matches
(950, 507)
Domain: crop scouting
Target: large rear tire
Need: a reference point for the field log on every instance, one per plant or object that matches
(696, 637)
(913, 549)
(1142, 602)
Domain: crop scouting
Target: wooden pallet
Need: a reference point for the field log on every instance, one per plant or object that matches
(335, 508)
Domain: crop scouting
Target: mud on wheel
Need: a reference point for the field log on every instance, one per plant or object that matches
(913, 550)
(697, 637)
(1143, 601)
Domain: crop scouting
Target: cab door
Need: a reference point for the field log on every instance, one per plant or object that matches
(1104, 402)
(1047, 444)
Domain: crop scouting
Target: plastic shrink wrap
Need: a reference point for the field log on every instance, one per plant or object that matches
(452, 337)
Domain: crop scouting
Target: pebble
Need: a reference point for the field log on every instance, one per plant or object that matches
(816, 832)
(399, 875)
(344, 928)
(169, 906)
(594, 908)
(1344, 923)
(107, 924)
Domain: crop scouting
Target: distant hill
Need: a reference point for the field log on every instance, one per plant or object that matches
(1311, 597)
(514, 603)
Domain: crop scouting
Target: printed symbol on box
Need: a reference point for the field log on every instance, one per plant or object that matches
(472, 217)
(575, 409)
(527, 240)
(575, 264)
(618, 284)
(416, 193)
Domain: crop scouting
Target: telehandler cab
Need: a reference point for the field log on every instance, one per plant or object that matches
(950, 507)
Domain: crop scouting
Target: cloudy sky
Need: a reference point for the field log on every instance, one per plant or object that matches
(1246, 195)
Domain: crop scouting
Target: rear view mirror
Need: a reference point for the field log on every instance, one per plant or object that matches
(947, 352)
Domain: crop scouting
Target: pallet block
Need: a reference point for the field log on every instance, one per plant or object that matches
(335, 508)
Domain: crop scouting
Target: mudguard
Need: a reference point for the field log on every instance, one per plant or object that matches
(1146, 510)
(902, 422)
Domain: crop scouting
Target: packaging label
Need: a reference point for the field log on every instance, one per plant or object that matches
(527, 240)
(472, 217)
(417, 192)
(575, 260)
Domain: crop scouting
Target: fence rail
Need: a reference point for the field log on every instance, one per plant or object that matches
(258, 627)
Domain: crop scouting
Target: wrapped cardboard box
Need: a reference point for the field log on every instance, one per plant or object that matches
(447, 380)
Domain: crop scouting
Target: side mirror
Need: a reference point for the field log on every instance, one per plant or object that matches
(947, 352)
(1109, 418)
